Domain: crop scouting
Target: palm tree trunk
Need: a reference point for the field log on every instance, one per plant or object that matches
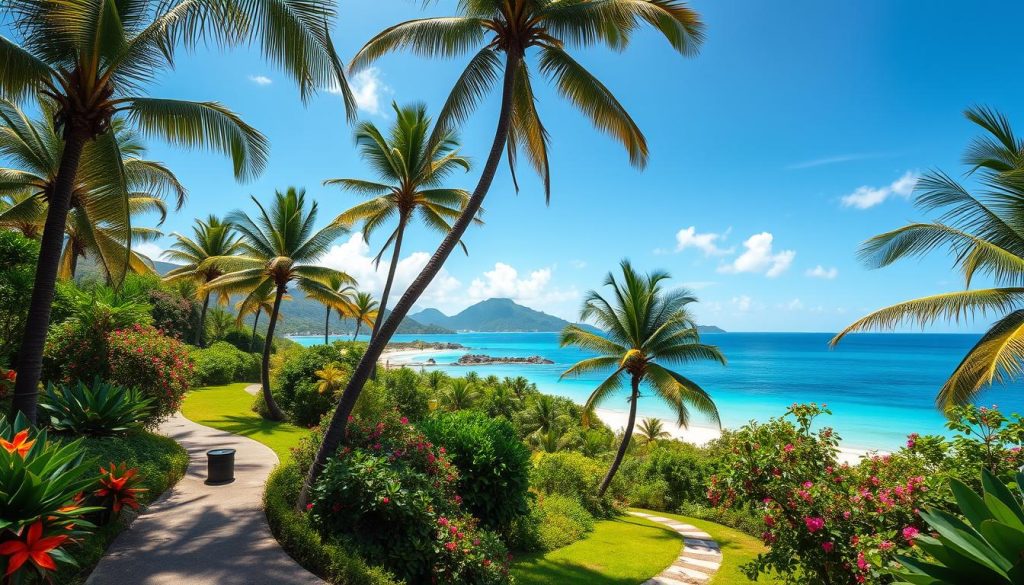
(382, 334)
(252, 342)
(327, 326)
(268, 398)
(627, 435)
(30, 360)
(74, 263)
(359, 323)
(395, 255)
(201, 333)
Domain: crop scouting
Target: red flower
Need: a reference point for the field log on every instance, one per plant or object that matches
(21, 444)
(385, 500)
(34, 548)
(119, 488)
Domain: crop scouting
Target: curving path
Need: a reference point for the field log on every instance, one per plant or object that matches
(698, 560)
(198, 534)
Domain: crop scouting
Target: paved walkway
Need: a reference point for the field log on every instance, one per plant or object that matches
(698, 560)
(198, 534)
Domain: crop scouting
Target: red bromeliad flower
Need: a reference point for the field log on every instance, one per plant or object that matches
(34, 548)
(119, 489)
(21, 445)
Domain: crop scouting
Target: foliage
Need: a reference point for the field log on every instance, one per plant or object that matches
(987, 548)
(666, 476)
(494, 464)
(403, 386)
(223, 363)
(99, 409)
(552, 522)
(18, 256)
(243, 340)
(158, 366)
(573, 475)
(173, 314)
(295, 381)
(118, 487)
(74, 353)
(395, 493)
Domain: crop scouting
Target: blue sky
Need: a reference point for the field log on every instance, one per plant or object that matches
(792, 109)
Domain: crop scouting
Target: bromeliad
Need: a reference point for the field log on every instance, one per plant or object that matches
(20, 445)
(34, 548)
(118, 492)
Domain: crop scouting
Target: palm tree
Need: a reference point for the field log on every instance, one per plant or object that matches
(542, 415)
(513, 27)
(260, 300)
(220, 323)
(553, 440)
(335, 294)
(364, 310)
(646, 326)
(411, 174)
(984, 234)
(278, 248)
(459, 395)
(331, 379)
(212, 238)
(652, 430)
(91, 60)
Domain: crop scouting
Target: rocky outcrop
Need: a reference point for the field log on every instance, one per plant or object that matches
(472, 359)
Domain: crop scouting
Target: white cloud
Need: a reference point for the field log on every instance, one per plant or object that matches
(689, 238)
(260, 79)
(504, 282)
(820, 271)
(866, 197)
(149, 250)
(742, 303)
(368, 89)
(758, 257)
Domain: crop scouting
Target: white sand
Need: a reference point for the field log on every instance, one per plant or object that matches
(400, 357)
(617, 419)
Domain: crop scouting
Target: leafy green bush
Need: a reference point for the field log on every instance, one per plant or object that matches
(242, 339)
(223, 363)
(99, 409)
(671, 473)
(494, 464)
(173, 314)
(742, 520)
(572, 474)
(553, 522)
(18, 257)
(74, 352)
(155, 364)
(403, 386)
(299, 370)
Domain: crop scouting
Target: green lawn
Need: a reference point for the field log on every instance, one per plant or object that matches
(623, 551)
(229, 408)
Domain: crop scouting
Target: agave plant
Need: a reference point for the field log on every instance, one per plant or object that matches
(98, 410)
(987, 548)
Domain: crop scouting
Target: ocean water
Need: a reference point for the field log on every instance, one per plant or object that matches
(880, 387)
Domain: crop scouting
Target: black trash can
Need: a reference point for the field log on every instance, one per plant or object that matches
(220, 465)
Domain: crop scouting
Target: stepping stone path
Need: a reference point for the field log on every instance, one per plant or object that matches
(698, 560)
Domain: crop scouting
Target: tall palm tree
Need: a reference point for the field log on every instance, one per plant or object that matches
(92, 60)
(259, 300)
(647, 326)
(211, 238)
(985, 236)
(335, 294)
(652, 430)
(364, 310)
(411, 173)
(278, 248)
(509, 30)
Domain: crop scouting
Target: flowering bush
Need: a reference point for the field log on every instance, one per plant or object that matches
(393, 493)
(157, 365)
(74, 352)
(824, 522)
(7, 379)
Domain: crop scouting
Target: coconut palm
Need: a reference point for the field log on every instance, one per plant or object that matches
(460, 394)
(258, 301)
(278, 248)
(92, 60)
(411, 175)
(985, 236)
(647, 326)
(652, 430)
(363, 310)
(335, 294)
(331, 379)
(542, 415)
(212, 238)
(553, 440)
(219, 323)
(508, 30)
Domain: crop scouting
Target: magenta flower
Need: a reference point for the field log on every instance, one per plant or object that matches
(910, 532)
(827, 546)
(814, 524)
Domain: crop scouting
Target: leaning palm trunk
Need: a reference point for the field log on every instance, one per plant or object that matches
(255, 321)
(626, 436)
(201, 332)
(273, 410)
(359, 323)
(382, 334)
(30, 361)
(395, 255)
(327, 326)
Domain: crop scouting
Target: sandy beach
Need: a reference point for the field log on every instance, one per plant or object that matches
(396, 358)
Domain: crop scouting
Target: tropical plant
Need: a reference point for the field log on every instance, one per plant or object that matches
(336, 294)
(90, 61)
(363, 310)
(983, 234)
(212, 238)
(542, 415)
(515, 27)
(987, 548)
(98, 409)
(18, 256)
(260, 300)
(412, 167)
(158, 366)
(117, 487)
(646, 326)
(331, 379)
(276, 249)
(652, 430)
(553, 440)
(219, 323)
(460, 394)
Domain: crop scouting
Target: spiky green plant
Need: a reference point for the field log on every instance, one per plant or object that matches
(984, 234)
(646, 327)
(95, 409)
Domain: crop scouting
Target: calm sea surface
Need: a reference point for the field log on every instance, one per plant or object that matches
(880, 387)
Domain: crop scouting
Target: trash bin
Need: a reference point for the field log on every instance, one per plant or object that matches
(220, 465)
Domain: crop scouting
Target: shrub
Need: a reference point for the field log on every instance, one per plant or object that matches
(494, 464)
(298, 368)
(393, 492)
(157, 365)
(18, 257)
(74, 352)
(242, 339)
(553, 522)
(100, 409)
(571, 474)
(672, 472)
(173, 314)
(223, 363)
(403, 386)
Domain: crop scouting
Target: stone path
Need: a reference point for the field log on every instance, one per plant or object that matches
(698, 560)
(199, 534)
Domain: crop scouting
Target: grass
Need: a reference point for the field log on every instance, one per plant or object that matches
(623, 551)
(228, 408)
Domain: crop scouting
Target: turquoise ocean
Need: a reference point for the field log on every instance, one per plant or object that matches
(880, 387)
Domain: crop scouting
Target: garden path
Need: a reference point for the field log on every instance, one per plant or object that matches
(698, 560)
(199, 534)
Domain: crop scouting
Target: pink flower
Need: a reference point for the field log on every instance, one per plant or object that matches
(862, 563)
(827, 546)
(909, 533)
(808, 484)
(442, 521)
(404, 420)
(450, 545)
(385, 500)
(769, 521)
(912, 440)
(788, 448)
(309, 507)
(814, 524)
(886, 545)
